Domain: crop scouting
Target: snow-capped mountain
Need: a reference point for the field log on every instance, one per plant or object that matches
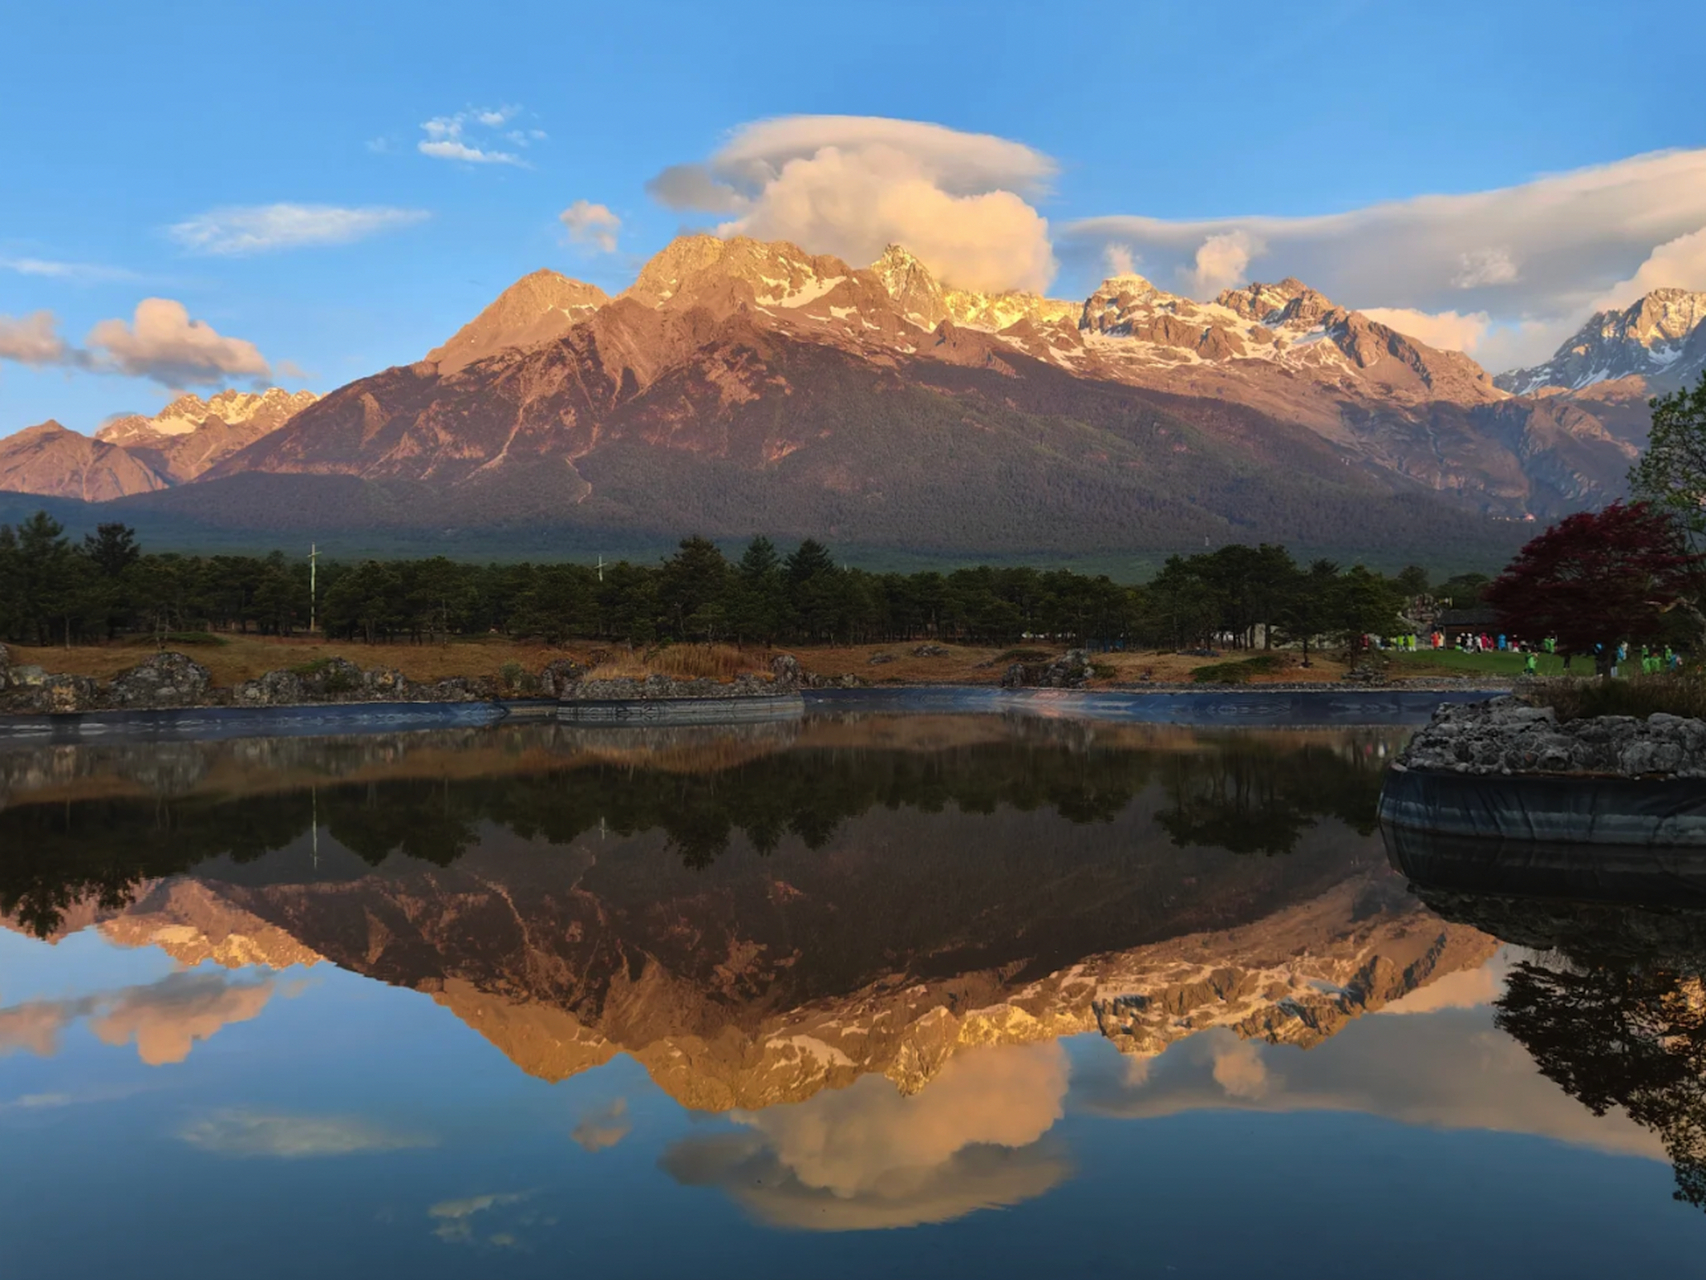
(191, 434)
(740, 384)
(1661, 339)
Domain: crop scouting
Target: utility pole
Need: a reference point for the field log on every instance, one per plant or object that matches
(313, 584)
(601, 568)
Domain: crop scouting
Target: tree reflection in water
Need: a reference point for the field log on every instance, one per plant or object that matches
(1610, 1001)
(1239, 791)
(1624, 1036)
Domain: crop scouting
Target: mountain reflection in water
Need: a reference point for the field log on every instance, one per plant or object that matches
(854, 972)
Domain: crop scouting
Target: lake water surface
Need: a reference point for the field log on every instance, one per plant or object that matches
(873, 993)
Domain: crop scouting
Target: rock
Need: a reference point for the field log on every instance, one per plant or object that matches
(35, 691)
(879, 659)
(812, 680)
(5, 667)
(929, 651)
(274, 689)
(558, 675)
(1505, 735)
(165, 680)
(330, 680)
(786, 672)
(1072, 670)
(657, 687)
(385, 685)
(458, 689)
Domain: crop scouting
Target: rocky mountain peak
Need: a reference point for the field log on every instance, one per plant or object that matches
(51, 460)
(723, 275)
(1660, 339)
(914, 289)
(1290, 303)
(540, 306)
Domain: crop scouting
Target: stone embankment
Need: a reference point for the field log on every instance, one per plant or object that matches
(1504, 771)
(175, 680)
(1508, 736)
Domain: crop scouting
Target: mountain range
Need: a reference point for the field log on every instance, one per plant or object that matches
(741, 386)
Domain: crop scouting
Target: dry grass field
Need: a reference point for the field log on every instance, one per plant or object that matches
(235, 658)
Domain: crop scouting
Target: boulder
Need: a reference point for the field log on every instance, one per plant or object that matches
(929, 651)
(879, 659)
(274, 689)
(786, 673)
(458, 689)
(331, 680)
(35, 691)
(1072, 670)
(383, 685)
(165, 680)
(559, 675)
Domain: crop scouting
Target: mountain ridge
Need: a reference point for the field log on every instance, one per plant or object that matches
(747, 383)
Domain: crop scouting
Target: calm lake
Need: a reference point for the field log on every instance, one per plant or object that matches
(871, 993)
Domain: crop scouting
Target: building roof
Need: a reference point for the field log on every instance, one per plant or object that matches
(1468, 618)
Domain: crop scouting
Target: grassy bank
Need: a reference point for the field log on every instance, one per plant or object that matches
(233, 659)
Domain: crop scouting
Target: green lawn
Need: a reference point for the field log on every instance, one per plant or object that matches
(1504, 664)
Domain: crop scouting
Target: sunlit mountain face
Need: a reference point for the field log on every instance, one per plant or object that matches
(917, 994)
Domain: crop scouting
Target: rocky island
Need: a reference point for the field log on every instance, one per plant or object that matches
(1505, 769)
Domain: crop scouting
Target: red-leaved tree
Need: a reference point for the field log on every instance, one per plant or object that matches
(1598, 578)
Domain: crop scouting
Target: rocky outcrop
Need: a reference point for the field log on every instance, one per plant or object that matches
(560, 675)
(340, 680)
(1508, 736)
(1072, 670)
(165, 680)
(657, 686)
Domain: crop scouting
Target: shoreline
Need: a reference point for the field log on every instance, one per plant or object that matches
(1300, 706)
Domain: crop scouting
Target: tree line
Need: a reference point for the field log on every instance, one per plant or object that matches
(54, 590)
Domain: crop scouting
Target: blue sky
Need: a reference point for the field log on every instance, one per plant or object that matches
(1200, 144)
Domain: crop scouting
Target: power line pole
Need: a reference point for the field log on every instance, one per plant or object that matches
(313, 584)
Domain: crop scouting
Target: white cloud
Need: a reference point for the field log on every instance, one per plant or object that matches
(1541, 253)
(76, 272)
(455, 1218)
(1675, 264)
(165, 1019)
(850, 185)
(1447, 330)
(867, 1157)
(449, 137)
(250, 1134)
(1120, 260)
(603, 1127)
(592, 224)
(1240, 1070)
(240, 230)
(451, 149)
(32, 339)
(1222, 261)
(162, 342)
(1485, 266)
